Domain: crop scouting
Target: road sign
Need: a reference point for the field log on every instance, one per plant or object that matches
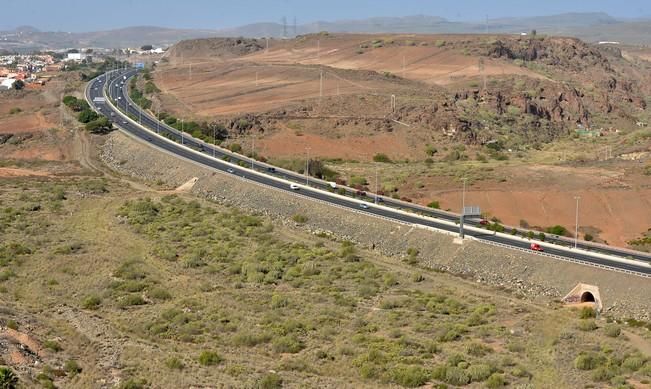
(472, 210)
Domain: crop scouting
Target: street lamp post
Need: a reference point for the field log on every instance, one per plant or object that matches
(463, 207)
(576, 230)
(376, 182)
(307, 166)
(214, 140)
(252, 152)
(181, 131)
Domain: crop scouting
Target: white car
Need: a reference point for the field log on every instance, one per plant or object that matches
(293, 187)
(363, 206)
(230, 170)
(333, 185)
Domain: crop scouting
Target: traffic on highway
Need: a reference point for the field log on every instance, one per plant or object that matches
(108, 95)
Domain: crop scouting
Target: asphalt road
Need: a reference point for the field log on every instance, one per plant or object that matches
(118, 92)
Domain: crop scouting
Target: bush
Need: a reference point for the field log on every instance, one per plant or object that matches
(434, 204)
(8, 379)
(477, 349)
(479, 372)
(587, 325)
(287, 344)
(270, 381)
(587, 313)
(209, 358)
(633, 363)
(52, 345)
(278, 301)
(87, 115)
(91, 302)
(382, 158)
(495, 381)
(557, 230)
(612, 330)
(300, 219)
(456, 376)
(15, 110)
(174, 363)
(409, 376)
(430, 150)
(588, 237)
(587, 361)
(159, 294)
(131, 300)
(72, 368)
(235, 147)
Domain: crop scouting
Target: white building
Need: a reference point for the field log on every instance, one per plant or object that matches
(7, 83)
(76, 57)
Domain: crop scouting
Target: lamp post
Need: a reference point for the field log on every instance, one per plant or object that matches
(307, 166)
(181, 131)
(377, 182)
(576, 229)
(463, 207)
(252, 151)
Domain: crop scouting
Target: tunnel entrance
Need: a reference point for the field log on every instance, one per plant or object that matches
(587, 297)
(584, 294)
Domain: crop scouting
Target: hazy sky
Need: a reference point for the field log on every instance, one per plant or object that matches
(92, 15)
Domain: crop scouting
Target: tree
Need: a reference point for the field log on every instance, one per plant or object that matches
(19, 85)
(99, 126)
(146, 47)
(87, 116)
(8, 379)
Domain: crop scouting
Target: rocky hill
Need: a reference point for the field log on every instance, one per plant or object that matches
(214, 48)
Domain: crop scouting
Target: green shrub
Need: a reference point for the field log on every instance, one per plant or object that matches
(250, 339)
(587, 325)
(160, 294)
(174, 363)
(479, 372)
(52, 345)
(131, 300)
(287, 344)
(587, 313)
(209, 358)
(278, 301)
(12, 324)
(434, 204)
(633, 363)
(409, 376)
(270, 381)
(456, 376)
(300, 219)
(134, 383)
(72, 368)
(477, 349)
(495, 381)
(588, 361)
(382, 158)
(612, 330)
(8, 379)
(15, 110)
(588, 237)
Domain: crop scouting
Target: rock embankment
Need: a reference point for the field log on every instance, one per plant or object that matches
(527, 275)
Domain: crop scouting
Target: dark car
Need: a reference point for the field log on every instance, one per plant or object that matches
(484, 222)
(271, 169)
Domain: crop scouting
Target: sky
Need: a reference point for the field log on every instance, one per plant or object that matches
(94, 15)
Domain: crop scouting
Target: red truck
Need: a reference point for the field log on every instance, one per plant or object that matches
(536, 247)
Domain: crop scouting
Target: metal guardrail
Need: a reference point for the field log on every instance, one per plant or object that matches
(565, 259)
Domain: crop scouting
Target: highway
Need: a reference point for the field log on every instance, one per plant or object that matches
(115, 87)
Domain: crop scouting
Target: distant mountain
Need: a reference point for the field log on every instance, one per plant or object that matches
(591, 27)
(29, 38)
